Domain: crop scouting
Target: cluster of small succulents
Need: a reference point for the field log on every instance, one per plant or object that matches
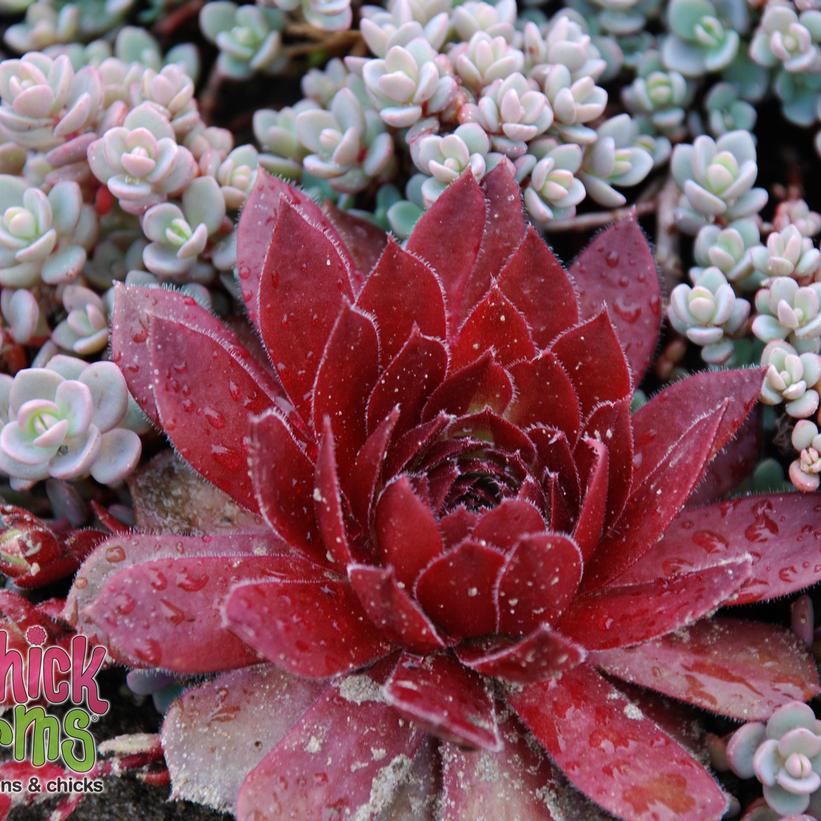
(454, 87)
(103, 156)
(739, 260)
(535, 93)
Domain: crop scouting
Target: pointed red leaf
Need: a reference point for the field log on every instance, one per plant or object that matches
(129, 549)
(617, 268)
(402, 291)
(531, 492)
(311, 628)
(744, 670)
(249, 710)
(610, 423)
(554, 455)
(457, 525)
(544, 396)
(592, 460)
(364, 240)
(370, 748)
(256, 224)
(305, 281)
(166, 613)
(406, 532)
(506, 523)
(733, 464)
(555, 504)
(449, 236)
(519, 782)
(363, 479)
(413, 443)
(487, 426)
(346, 375)
(631, 613)
(392, 610)
(327, 499)
(441, 481)
(457, 589)
(669, 413)
(410, 378)
(654, 503)
(613, 754)
(542, 654)
(504, 230)
(206, 398)
(782, 533)
(538, 286)
(538, 581)
(594, 361)
(131, 345)
(494, 324)
(482, 383)
(446, 698)
(283, 480)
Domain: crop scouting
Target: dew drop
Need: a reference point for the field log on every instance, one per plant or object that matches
(709, 541)
(176, 615)
(190, 581)
(214, 418)
(115, 553)
(124, 604)
(228, 459)
(148, 650)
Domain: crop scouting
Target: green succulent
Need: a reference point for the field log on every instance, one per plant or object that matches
(622, 17)
(553, 187)
(704, 36)
(788, 39)
(730, 250)
(726, 111)
(717, 178)
(707, 313)
(787, 254)
(445, 157)
(347, 145)
(248, 37)
(660, 94)
(617, 159)
(43, 237)
(789, 311)
(799, 95)
(180, 233)
(275, 131)
(327, 15)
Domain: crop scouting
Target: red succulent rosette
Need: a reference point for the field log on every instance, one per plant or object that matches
(465, 534)
(35, 554)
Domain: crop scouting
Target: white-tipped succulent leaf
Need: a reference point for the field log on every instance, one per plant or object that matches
(708, 313)
(63, 421)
